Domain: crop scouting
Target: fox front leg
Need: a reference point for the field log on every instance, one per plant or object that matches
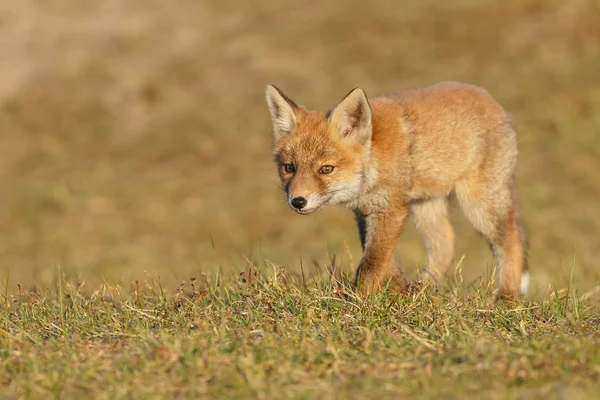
(379, 234)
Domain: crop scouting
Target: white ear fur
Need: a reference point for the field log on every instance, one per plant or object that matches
(352, 116)
(283, 111)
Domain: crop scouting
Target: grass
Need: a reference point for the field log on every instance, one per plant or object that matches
(135, 143)
(267, 335)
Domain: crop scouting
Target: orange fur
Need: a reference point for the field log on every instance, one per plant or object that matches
(402, 155)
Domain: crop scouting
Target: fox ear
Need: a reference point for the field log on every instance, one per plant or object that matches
(283, 111)
(352, 117)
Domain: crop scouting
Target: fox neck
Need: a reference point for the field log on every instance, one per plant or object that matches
(368, 187)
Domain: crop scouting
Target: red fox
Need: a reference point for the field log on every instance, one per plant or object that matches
(391, 157)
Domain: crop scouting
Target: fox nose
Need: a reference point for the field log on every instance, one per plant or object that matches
(299, 203)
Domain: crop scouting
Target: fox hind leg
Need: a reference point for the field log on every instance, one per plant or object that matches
(492, 208)
(430, 218)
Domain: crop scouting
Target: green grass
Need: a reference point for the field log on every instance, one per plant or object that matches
(272, 336)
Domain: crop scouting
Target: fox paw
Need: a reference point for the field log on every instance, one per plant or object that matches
(372, 283)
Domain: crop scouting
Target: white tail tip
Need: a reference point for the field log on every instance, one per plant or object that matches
(525, 282)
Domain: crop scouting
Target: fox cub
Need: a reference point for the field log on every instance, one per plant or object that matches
(391, 157)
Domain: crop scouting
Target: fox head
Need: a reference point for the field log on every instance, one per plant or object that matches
(321, 155)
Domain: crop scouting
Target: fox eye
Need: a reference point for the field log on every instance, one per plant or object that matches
(289, 168)
(326, 169)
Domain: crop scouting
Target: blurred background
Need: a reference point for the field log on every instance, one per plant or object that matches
(135, 140)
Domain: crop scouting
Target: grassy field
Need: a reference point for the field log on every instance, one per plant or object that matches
(274, 336)
(135, 155)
